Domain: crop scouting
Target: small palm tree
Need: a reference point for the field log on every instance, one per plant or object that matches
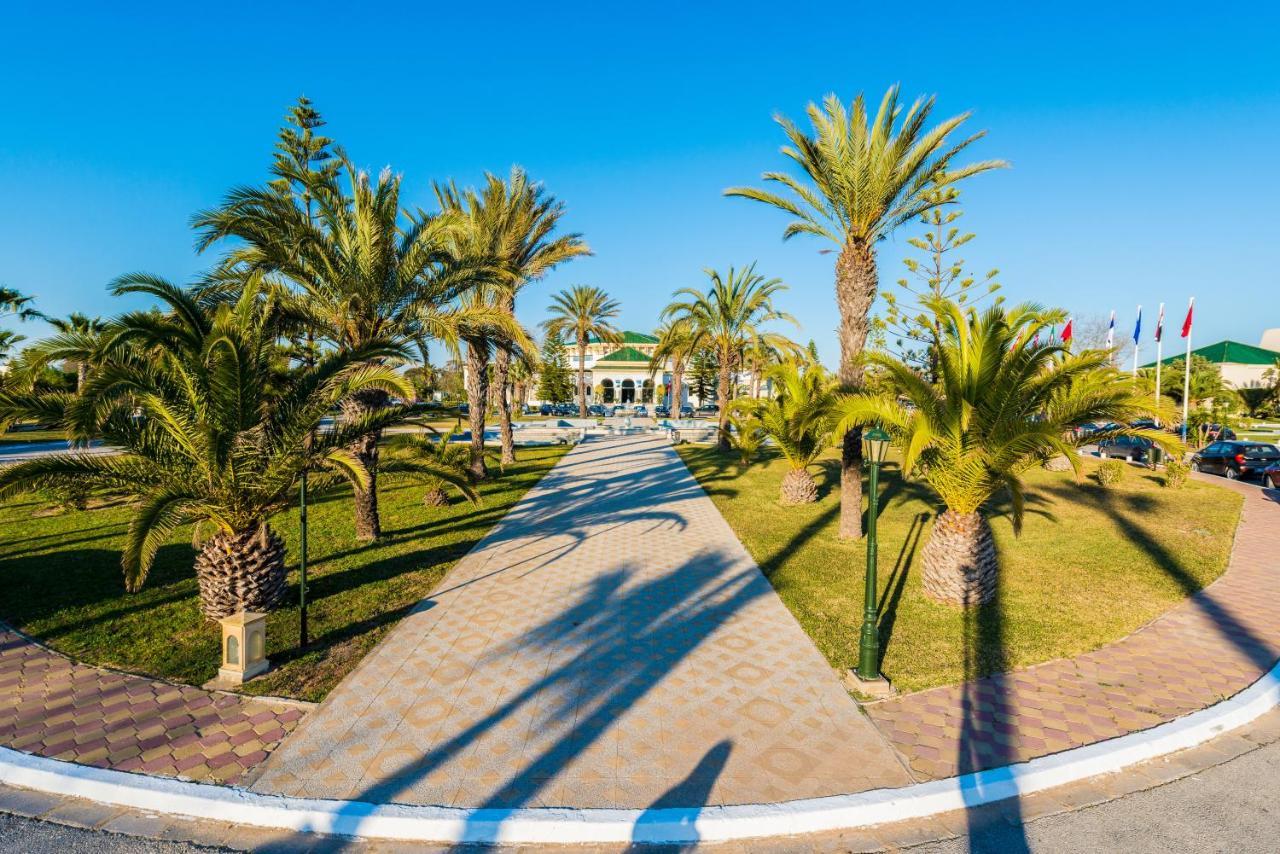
(80, 340)
(862, 177)
(725, 319)
(17, 304)
(798, 420)
(583, 312)
(435, 459)
(1003, 404)
(211, 432)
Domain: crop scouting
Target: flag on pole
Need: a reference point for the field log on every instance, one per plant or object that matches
(1186, 371)
(1160, 324)
(1066, 332)
(1137, 327)
(1111, 331)
(1186, 324)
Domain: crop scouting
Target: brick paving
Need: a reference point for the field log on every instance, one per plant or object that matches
(55, 707)
(609, 643)
(1218, 642)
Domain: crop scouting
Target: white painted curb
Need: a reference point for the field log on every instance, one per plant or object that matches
(665, 825)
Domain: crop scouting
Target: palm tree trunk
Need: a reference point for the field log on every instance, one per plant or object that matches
(501, 373)
(368, 520)
(582, 376)
(722, 395)
(856, 281)
(82, 375)
(478, 401)
(798, 487)
(960, 562)
(677, 375)
(241, 572)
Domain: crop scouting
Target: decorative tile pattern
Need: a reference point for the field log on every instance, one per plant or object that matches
(609, 643)
(1211, 646)
(52, 706)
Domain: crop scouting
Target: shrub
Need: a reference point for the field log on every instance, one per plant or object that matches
(1111, 472)
(1175, 474)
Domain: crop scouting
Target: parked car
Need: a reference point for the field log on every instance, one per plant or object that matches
(567, 410)
(547, 409)
(1145, 424)
(464, 409)
(1086, 429)
(1126, 447)
(1235, 459)
(708, 409)
(618, 409)
(1217, 432)
(686, 411)
(1271, 476)
(662, 412)
(640, 411)
(597, 410)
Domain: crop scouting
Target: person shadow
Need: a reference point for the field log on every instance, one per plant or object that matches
(680, 805)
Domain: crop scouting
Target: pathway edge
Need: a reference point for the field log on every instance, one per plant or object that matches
(667, 825)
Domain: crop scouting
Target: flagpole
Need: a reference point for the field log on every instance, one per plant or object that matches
(1186, 377)
(1159, 347)
(1136, 332)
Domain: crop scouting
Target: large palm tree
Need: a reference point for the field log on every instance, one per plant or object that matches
(726, 318)
(583, 312)
(798, 420)
(676, 345)
(517, 218)
(1003, 404)
(862, 177)
(212, 431)
(366, 271)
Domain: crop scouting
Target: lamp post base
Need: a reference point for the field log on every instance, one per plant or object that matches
(876, 689)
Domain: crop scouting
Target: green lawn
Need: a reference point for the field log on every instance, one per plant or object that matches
(61, 582)
(21, 437)
(1091, 565)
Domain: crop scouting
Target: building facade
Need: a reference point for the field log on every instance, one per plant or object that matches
(1241, 365)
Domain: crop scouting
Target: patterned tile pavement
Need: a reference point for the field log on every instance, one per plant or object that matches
(1211, 646)
(52, 706)
(609, 643)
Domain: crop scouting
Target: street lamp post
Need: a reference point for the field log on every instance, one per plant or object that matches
(875, 443)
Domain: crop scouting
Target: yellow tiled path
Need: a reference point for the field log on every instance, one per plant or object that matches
(609, 643)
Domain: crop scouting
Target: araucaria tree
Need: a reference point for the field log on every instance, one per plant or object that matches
(582, 313)
(363, 269)
(1002, 404)
(861, 177)
(554, 382)
(211, 432)
(798, 420)
(726, 318)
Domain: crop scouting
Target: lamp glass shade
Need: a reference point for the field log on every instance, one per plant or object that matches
(875, 445)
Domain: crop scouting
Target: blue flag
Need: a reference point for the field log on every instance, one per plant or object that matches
(1137, 327)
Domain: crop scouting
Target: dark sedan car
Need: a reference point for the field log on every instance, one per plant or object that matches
(1126, 447)
(1271, 476)
(686, 411)
(1235, 459)
(661, 412)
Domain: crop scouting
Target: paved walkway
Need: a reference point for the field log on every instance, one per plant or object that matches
(52, 706)
(609, 643)
(1213, 645)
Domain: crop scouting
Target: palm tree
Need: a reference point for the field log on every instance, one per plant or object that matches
(863, 177)
(583, 312)
(798, 420)
(516, 218)
(211, 433)
(725, 318)
(676, 344)
(8, 340)
(80, 340)
(1003, 404)
(436, 459)
(14, 303)
(366, 272)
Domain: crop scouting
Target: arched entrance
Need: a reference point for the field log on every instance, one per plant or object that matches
(628, 391)
(646, 392)
(607, 385)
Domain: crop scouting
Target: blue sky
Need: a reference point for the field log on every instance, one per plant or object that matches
(1143, 141)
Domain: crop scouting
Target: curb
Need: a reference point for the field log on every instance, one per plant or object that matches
(663, 825)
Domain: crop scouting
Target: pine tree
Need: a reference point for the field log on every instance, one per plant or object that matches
(704, 371)
(554, 383)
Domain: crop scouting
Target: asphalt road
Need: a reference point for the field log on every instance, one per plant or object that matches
(1229, 808)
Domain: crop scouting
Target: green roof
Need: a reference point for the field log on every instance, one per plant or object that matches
(629, 338)
(626, 354)
(1232, 352)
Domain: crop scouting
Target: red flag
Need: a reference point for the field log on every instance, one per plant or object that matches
(1160, 323)
(1066, 332)
(1186, 324)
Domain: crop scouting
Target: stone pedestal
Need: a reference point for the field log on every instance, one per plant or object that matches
(876, 689)
(244, 647)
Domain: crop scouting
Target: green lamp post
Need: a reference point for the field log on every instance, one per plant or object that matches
(875, 445)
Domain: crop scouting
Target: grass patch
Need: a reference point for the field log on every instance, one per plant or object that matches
(1091, 566)
(22, 437)
(61, 582)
